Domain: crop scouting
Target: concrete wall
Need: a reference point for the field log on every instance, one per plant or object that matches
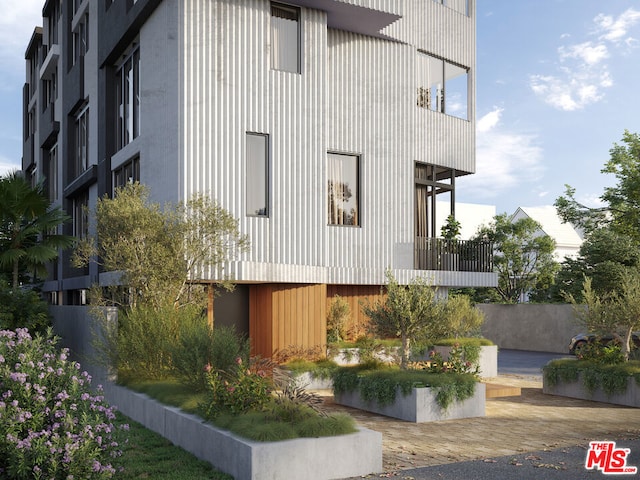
(541, 328)
(76, 327)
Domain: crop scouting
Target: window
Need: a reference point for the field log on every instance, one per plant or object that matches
(127, 173)
(285, 38)
(128, 98)
(32, 176)
(81, 39)
(81, 215)
(442, 86)
(52, 174)
(460, 6)
(257, 174)
(343, 189)
(53, 16)
(82, 141)
(50, 92)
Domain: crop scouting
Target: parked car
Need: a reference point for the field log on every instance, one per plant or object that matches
(582, 339)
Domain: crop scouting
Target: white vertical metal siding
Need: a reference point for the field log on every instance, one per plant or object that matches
(355, 94)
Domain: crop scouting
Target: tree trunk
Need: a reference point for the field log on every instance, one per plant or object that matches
(404, 354)
(626, 344)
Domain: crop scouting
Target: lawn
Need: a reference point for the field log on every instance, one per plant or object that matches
(149, 455)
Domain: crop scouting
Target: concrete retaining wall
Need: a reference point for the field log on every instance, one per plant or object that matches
(324, 458)
(321, 458)
(420, 405)
(631, 397)
(541, 328)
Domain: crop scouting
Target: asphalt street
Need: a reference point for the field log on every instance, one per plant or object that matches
(564, 464)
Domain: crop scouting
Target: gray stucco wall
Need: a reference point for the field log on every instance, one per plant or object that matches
(76, 326)
(541, 328)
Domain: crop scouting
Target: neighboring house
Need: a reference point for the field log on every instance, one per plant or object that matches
(326, 127)
(568, 239)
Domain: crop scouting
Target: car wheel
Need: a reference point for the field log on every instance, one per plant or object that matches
(579, 346)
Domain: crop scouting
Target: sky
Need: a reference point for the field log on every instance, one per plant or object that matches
(557, 86)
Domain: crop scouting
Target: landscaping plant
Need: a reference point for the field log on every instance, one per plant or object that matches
(409, 312)
(52, 424)
(339, 313)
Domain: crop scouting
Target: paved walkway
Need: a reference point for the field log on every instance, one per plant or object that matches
(512, 426)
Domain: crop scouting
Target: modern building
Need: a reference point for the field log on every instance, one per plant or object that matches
(328, 128)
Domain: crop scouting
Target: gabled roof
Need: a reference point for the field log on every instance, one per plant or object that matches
(564, 234)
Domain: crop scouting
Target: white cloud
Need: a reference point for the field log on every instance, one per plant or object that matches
(7, 165)
(572, 90)
(615, 30)
(588, 52)
(583, 75)
(489, 121)
(504, 160)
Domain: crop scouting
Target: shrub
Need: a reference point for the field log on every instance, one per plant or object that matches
(23, 309)
(297, 352)
(339, 313)
(457, 362)
(51, 424)
(236, 391)
(198, 347)
(612, 378)
(601, 354)
(144, 336)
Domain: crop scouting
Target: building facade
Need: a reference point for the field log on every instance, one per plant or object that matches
(328, 128)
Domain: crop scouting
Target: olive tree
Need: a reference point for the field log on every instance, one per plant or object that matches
(409, 312)
(614, 313)
(160, 252)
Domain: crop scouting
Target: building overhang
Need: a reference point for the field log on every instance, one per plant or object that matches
(352, 18)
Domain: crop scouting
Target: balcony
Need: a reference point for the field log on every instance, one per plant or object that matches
(453, 255)
(368, 17)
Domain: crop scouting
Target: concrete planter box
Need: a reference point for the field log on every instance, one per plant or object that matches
(630, 398)
(356, 454)
(420, 405)
(487, 360)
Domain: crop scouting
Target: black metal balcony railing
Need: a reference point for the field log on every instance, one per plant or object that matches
(453, 255)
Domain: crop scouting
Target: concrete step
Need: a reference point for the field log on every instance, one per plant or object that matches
(495, 390)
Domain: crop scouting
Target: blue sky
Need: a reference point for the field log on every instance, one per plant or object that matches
(557, 85)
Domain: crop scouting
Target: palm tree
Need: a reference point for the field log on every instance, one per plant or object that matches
(26, 223)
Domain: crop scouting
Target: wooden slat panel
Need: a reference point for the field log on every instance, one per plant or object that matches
(261, 320)
(354, 295)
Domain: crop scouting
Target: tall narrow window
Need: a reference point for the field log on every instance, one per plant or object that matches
(81, 215)
(127, 173)
(82, 141)
(52, 174)
(81, 39)
(285, 38)
(257, 174)
(343, 189)
(128, 98)
(442, 86)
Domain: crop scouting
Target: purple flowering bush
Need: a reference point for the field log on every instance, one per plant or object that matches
(52, 424)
